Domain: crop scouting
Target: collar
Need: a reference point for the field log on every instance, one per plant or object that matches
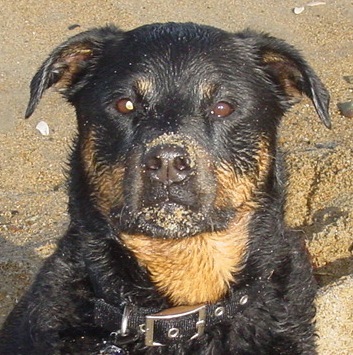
(171, 325)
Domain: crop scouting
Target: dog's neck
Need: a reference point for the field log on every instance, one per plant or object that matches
(197, 269)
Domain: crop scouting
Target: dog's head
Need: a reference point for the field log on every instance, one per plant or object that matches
(177, 122)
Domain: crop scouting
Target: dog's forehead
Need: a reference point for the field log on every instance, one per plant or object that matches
(171, 48)
(184, 54)
(175, 34)
(179, 45)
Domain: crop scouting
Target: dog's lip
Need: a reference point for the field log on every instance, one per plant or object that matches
(167, 206)
(170, 219)
(169, 211)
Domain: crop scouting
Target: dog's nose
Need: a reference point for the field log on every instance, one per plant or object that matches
(167, 164)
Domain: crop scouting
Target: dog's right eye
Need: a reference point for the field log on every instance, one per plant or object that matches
(222, 109)
(124, 105)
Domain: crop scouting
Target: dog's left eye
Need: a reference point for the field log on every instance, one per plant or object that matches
(124, 105)
(222, 109)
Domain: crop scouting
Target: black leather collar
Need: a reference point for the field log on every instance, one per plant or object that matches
(177, 324)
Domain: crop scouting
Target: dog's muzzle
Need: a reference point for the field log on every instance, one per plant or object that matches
(171, 189)
(169, 176)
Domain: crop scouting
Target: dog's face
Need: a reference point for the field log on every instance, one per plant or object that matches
(177, 142)
(177, 122)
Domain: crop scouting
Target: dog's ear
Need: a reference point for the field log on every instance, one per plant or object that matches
(295, 77)
(70, 63)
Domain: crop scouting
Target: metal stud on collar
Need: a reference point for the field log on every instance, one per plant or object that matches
(173, 332)
(244, 300)
(219, 311)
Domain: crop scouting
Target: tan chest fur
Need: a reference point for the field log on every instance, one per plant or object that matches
(193, 270)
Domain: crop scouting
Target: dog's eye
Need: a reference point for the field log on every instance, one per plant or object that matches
(124, 105)
(222, 109)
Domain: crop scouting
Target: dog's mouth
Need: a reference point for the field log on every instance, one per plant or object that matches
(171, 220)
(167, 220)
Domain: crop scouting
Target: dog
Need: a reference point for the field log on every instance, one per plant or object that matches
(176, 242)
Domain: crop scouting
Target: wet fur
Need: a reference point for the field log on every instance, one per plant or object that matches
(227, 216)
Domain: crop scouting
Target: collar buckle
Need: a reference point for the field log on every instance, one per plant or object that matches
(166, 324)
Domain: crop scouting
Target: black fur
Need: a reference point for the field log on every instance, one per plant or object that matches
(261, 77)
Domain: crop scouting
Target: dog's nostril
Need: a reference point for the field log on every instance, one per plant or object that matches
(154, 163)
(181, 163)
(167, 164)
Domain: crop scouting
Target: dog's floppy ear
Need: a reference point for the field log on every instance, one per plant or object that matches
(68, 64)
(294, 76)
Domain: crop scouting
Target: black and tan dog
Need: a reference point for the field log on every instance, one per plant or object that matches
(176, 243)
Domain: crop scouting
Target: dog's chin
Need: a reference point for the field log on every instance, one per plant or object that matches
(170, 221)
